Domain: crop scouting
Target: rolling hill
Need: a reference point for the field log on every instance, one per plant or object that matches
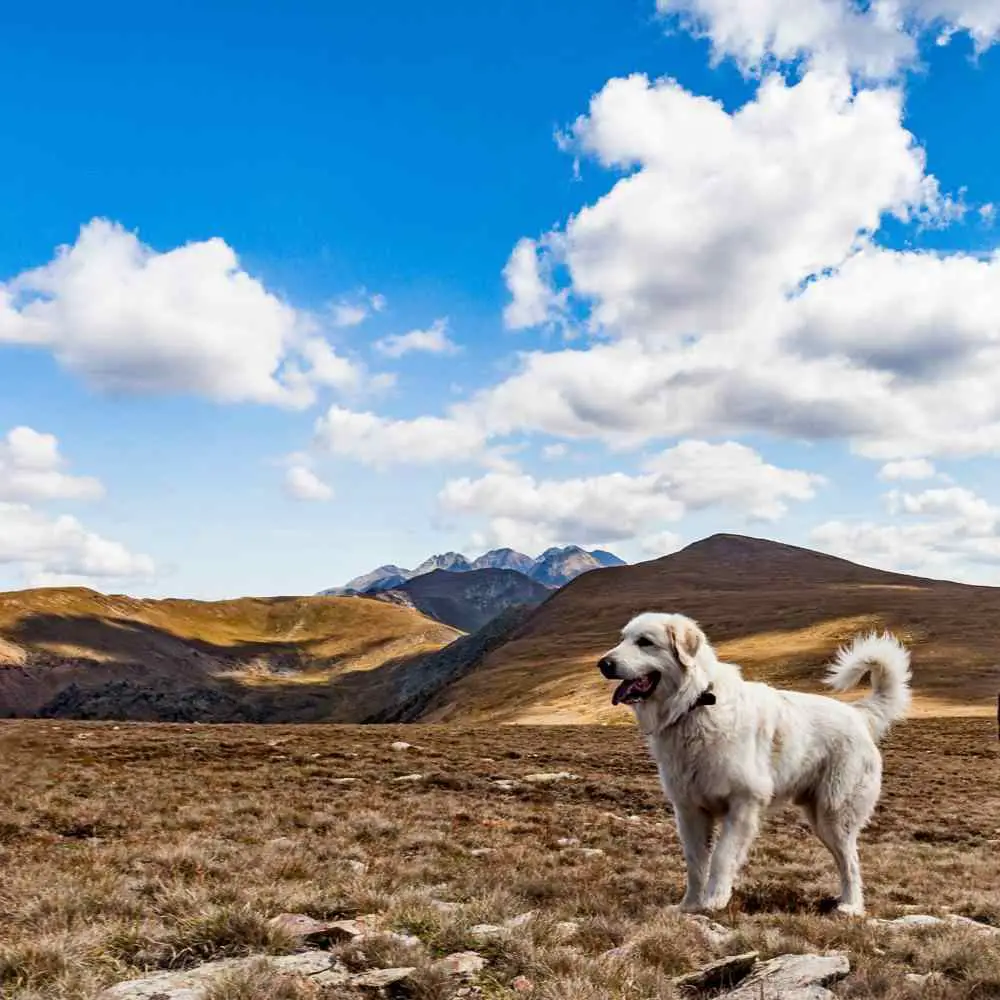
(77, 653)
(777, 610)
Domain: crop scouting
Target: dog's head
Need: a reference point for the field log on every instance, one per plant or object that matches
(658, 655)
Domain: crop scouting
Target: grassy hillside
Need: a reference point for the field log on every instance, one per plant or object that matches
(274, 655)
(778, 610)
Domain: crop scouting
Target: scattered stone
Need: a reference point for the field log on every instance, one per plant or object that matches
(341, 931)
(792, 977)
(725, 973)
(619, 954)
(520, 920)
(550, 777)
(566, 930)
(282, 842)
(304, 928)
(568, 842)
(380, 979)
(714, 934)
(522, 984)
(483, 932)
(342, 781)
(358, 867)
(917, 982)
(408, 778)
(911, 920)
(505, 784)
(482, 852)
(193, 984)
(586, 852)
(399, 746)
(462, 963)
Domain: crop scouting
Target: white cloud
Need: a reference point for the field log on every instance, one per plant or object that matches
(552, 452)
(533, 301)
(433, 340)
(31, 468)
(875, 40)
(381, 442)
(301, 483)
(190, 320)
(663, 543)
(721, 215)
(700, 475)
(733, 276)
(908, 468)
(60, 549)
(693, 475)
(354, 311)
(951, 533)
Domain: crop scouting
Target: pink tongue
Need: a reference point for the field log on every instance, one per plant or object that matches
(627, 688)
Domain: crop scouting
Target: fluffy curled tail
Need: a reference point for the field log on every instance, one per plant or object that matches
(887, 661)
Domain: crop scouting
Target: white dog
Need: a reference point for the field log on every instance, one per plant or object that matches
(727, 748)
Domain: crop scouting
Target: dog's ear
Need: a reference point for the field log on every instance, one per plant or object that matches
(685, 640)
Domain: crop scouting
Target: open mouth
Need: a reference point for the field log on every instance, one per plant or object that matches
(633, 691)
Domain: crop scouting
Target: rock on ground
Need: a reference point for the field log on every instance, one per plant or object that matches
(726, 972)
(193, 984)
(792, 977)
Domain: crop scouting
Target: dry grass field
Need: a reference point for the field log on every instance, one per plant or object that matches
(134, 847)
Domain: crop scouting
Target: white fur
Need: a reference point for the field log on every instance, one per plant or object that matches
(725, 764)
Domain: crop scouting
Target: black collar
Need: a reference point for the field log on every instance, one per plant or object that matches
(707, 697)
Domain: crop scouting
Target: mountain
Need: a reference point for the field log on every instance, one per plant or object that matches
(77, 653)
(777, 610)
(378, 579)
(454, 562)
(556, 567)
(466, 600)
(606, 559)
(504, 559)
(552, 568)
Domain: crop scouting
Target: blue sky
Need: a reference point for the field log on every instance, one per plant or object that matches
(340, 286)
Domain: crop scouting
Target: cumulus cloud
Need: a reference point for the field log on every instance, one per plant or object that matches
(693, 475)
(433, 340)
(875, 40)
(32, 469)
(190, 320)
(302, 483)
(59, 549)
(382, 442)
(950, 532)
(734, 278)
(532, 299)
(908, 468)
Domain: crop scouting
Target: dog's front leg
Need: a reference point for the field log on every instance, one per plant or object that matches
(695, 828)
(739, 828)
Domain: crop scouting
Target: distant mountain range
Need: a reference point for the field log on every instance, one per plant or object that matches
(554, 568)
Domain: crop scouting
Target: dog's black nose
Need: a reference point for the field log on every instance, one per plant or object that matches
(608, 668)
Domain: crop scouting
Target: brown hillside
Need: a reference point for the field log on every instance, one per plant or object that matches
(777, 610)
(249, 659)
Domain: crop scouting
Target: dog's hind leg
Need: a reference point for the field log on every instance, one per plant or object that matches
(842, 843)
(695, 828)
(739, 829)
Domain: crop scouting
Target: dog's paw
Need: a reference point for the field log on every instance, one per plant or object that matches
(851, 909)
(687, 906)
(718, 901)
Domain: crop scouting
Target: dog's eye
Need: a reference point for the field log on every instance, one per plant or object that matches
(642, 641)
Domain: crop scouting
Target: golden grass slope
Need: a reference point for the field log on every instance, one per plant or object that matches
(777, 610)
(50, 638)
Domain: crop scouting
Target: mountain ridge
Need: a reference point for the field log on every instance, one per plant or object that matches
(555, 567)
